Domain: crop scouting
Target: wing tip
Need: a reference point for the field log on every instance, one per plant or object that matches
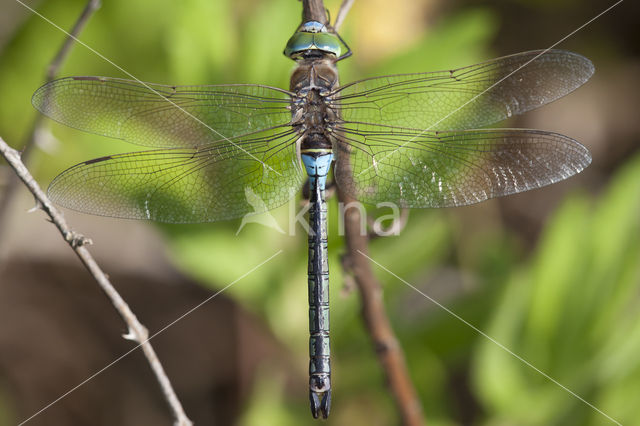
(585, 66)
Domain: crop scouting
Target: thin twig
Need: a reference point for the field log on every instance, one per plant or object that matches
(376, 320)
(58, 60)
(136, 331)
(314, 10)
(51, 73)
(342, 14)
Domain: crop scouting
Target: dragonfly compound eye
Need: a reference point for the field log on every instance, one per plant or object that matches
(312, 37)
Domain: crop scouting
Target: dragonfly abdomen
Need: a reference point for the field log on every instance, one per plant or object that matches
(312, 117)
(317, 163)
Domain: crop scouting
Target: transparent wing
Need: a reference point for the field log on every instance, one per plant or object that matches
(162, 116)
(452, 168)
(222, 181)
(466, 98)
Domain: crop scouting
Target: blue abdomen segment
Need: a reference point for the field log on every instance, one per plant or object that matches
(317, 164)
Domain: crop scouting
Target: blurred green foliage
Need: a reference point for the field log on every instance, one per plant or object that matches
(572, 313)
(570, 309)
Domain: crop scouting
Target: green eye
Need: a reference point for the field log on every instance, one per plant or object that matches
(327, 43)
(312, 36)
(299, 42)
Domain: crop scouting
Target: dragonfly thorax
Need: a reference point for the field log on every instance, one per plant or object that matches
(317, 73)
(312, 114)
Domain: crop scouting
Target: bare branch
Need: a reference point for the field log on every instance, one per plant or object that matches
(136, 331)
(314, 10)
(61, 56)
(52, 72)
(342, 14)
(384, 340)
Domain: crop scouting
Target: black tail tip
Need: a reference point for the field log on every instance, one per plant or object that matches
(320, 403)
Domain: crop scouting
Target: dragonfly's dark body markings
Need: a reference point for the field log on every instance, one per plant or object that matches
(221, 152)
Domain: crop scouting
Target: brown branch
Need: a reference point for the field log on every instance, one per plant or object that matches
(136, 331)
(386, 344)
(314, 10)
(52, 72)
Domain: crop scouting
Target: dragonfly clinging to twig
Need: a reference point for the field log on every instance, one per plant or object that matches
(416, 140)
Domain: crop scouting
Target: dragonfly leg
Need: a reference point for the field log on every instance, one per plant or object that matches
(320, 396)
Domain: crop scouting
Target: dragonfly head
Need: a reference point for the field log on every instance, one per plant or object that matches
(312, 39)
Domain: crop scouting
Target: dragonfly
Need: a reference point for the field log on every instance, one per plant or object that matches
(418, 140)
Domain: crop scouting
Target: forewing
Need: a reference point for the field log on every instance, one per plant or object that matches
(162, 116)
(182, 185)
(452, 168)
(466, 98)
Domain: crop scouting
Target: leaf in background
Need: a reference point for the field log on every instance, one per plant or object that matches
(203, 43)
(263, 40)
(573, 314)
